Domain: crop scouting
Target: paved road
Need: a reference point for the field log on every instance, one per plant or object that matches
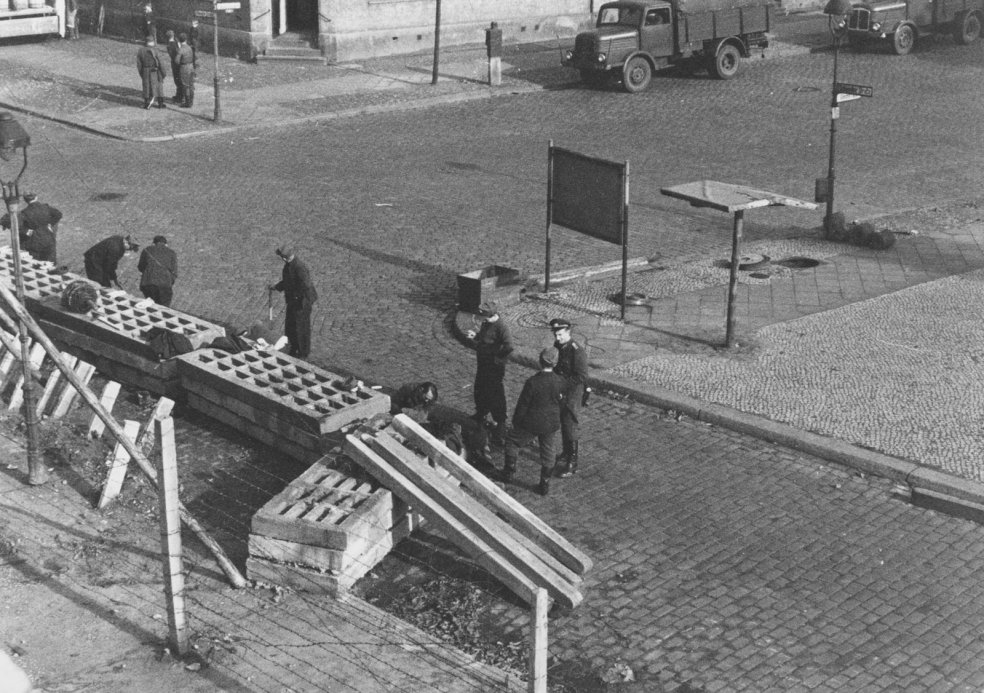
(722, 563)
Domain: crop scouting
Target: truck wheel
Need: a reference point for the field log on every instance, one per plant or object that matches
(903, 40)
(636, 74)
(726, 62)
(968, 29)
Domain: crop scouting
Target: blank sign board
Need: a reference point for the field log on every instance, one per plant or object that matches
(588, 194)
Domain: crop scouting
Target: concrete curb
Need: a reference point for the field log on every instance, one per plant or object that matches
(408, 105)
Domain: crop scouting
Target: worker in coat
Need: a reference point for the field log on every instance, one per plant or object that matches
(299, 295)
(103, 259)
(152, 72)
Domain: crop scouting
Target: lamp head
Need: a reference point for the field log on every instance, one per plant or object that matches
(837, 11)
(12, 136)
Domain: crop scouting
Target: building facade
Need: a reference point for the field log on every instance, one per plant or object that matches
(344, 29)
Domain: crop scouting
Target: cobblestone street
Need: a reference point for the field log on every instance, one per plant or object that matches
(722, 562)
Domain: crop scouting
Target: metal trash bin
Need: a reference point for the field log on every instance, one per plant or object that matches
(483, 285)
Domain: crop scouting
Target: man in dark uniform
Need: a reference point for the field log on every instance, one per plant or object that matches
(38, 224)
(299, 295)
(172, 52)
(103, 259)
(151, 72)
(537, 415)
(572, 365)
(493, 344)
(186, 61)
(158, 267)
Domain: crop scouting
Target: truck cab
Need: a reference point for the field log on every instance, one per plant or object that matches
(633, 38)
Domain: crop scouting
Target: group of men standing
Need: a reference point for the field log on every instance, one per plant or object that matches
(183, 54)
(551, 400)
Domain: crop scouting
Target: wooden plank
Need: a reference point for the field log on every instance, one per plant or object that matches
(501, 502)
(84, 371)
(35, 358)
(169, 518)
(51, 386)
(252, 430)
(109, 394)
(483, 554)
(162, 410)
(526, 556)
(119, 460)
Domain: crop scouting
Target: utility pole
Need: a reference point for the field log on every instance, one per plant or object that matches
(437, 42)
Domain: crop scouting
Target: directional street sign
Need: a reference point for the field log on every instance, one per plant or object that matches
(853, 89)
(228, 6)
(203, 13)
(841, 98)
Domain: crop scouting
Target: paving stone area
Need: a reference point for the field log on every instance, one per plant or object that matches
(723, 563)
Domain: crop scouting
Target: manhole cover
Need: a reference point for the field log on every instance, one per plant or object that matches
(745, 262)
(464, 166)
(799, 262)
(108, 196)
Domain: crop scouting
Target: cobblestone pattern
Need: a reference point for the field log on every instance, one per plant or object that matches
(721, 562)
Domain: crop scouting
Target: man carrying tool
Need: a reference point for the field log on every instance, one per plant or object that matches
(299, 295)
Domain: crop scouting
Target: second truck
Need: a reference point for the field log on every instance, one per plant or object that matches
(633, 38)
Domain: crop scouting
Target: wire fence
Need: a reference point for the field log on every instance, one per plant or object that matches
(267, 637)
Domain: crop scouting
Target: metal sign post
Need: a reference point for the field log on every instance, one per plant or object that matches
(217, 7)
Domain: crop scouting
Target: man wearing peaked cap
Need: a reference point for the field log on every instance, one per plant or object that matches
(493, 344)
(537, 415)
(572, 365)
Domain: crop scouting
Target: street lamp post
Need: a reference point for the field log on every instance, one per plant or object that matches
(13, 138)
(836, 11)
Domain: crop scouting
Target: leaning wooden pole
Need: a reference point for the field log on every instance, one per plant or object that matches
(235, 577)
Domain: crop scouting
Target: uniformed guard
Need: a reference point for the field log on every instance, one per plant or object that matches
(537, 415)
(572, 364)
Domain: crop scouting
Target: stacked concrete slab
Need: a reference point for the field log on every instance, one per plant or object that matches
(325, 531)
(277, 399)
(111, 337)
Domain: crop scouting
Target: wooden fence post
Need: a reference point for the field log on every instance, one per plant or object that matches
(170, 522)
(538, 642)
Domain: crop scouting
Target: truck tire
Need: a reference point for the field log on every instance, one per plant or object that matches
(637, 74)
(904, 39)
(725, 63)
(968, 28)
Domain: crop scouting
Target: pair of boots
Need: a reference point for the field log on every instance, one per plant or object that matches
(567, 460)
(543, 488)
